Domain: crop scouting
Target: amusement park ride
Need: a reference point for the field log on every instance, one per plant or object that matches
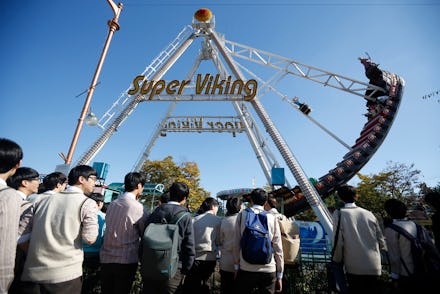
(236, 84)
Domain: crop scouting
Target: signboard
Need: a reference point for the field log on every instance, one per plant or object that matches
(314, 241)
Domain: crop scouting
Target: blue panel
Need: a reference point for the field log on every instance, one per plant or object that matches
(102, 169)
(313, 238)
(278, 177)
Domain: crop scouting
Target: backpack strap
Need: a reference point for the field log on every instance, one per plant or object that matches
(408, 236)
(402, 231)
(178, 216)
(80, 208)
(338, 227)
(5, 188)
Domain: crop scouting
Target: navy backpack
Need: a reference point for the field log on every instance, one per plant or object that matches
(256, 245)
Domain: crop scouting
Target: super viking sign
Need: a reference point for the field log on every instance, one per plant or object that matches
(207, 85)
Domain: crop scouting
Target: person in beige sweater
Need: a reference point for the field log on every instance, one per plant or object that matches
(359, 244)
(227, 234)
(58, 224)
(266, 277)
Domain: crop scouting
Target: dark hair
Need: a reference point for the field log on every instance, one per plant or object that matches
(347, 193)
(233, 205)
(178, 191)
(21, 174)
(51, 181)
(165, 197)
(433, 199)
(258, 196)
(207, 204)
(272, 201)
(10, 154)
(132, 180)
(84, 171)
(41, 188)
(395, 208)
(98, 197)
(105, 207)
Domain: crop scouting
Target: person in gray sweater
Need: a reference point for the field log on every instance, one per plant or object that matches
(399, 248)
(359, 243)
(206, 239)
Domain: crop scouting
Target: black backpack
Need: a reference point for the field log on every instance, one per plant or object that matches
(425, 255)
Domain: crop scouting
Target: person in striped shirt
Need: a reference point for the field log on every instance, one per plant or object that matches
(125, 221)
(10, 202)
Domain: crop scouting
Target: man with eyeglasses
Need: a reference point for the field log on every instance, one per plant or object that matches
(52, 183)
(26, 181)
(58, 224)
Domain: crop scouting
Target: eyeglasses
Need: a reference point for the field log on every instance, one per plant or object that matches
(33, 179)
(94, 178)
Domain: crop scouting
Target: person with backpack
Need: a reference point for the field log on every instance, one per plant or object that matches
(409, 272)
(206, 239)
(125, 219)
(359, 243)
(171, 218)
(258, 252)
(433, 200)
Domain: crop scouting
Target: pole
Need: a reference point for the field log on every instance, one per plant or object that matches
(113, 26)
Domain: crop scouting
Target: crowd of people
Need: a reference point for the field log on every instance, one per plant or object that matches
(58, 237)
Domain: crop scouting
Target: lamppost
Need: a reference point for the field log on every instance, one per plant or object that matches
(113, 26)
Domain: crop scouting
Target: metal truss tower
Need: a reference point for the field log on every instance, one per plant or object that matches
(224, 55)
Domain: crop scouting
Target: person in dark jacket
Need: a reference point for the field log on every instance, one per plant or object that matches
(186, 250)
(433, 199)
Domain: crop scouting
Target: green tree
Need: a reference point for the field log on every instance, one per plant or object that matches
(397, 180)
(166, 172)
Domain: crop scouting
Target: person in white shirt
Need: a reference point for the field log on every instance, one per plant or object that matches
(52, 183)
(26, 181)
(266, 277)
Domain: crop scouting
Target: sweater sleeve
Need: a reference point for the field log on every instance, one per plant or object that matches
(188, 252)
(237, 238)
(278, 249)
(89, 220)
(380, 237)
(338, 254)
(393, 252)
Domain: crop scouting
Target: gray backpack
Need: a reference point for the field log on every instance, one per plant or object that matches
(159, 249)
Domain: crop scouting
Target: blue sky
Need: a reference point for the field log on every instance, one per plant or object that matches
(49, 51)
